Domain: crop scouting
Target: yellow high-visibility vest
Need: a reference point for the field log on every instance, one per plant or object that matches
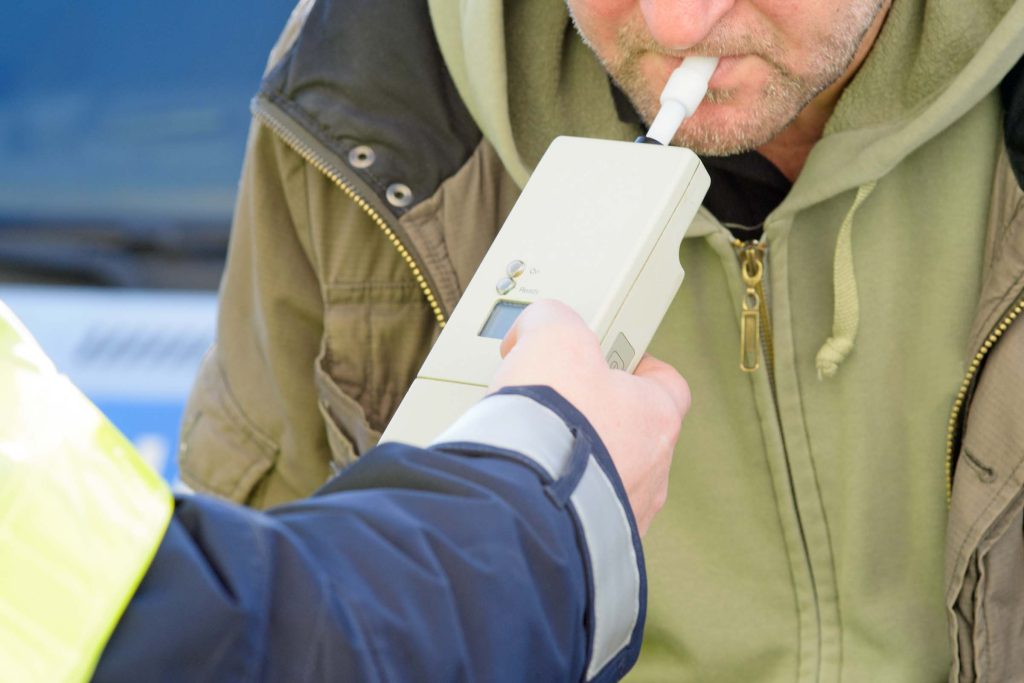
(81, 517)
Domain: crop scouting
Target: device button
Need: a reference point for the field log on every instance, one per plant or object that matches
(515, 268)
(621, 353)
(505, 285)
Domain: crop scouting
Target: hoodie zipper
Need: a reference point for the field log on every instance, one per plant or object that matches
(755, 326)
(952, 436)
(336, 177)
(756, 339)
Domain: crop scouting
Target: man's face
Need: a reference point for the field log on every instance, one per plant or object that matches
(776, 56)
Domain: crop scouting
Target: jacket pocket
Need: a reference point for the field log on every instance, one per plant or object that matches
(987, 617)
(214, 424)
(998, 600)
(348, 432)
(376, 336)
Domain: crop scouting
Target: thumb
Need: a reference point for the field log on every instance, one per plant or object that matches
(511, 337)
(541, 315)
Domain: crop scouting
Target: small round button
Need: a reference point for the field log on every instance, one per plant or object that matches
(362, 156)
(515, 268)
(505, 285)
(399, 195)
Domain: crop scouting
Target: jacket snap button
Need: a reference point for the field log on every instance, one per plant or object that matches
(362, 156)
(399, 195)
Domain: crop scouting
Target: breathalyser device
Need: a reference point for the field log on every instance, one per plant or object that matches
(598, 226)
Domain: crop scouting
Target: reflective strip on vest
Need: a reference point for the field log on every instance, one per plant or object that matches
(81, 516)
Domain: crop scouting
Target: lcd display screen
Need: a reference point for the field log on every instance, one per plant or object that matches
(501, 318)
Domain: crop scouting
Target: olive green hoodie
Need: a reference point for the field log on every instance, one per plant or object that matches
(803, 537)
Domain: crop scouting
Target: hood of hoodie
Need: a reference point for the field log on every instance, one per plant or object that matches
(527, 77)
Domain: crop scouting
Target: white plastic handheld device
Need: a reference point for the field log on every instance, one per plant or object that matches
(597, 226)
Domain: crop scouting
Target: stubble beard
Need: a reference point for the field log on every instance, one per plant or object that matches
(780, 100)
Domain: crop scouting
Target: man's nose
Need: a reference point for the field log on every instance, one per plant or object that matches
(681, 24)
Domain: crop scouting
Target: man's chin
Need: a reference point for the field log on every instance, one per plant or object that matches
(716, 129)
(727, 122)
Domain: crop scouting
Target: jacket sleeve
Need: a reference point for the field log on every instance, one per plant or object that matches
(506, 551)
(254, 431)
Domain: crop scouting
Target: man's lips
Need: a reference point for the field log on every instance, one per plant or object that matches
(725, 76)
(725, 72)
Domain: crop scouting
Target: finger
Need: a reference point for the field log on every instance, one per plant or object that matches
(666, 377)
(525, 321)
(539, 315)
(511, 337)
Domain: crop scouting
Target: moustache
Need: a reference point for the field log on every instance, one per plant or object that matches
(721, 42)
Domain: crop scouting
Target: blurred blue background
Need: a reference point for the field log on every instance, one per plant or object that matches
(122, 130)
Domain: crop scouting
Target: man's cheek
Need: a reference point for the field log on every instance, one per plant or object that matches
(604, 23)
(605, 11)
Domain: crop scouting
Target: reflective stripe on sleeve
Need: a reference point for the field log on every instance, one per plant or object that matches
(520, 424)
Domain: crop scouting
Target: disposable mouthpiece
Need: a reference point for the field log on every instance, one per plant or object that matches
(685, 89)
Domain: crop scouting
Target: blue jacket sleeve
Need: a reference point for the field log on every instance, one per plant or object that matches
(504, 552)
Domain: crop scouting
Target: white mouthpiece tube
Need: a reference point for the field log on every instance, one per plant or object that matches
(685, 89)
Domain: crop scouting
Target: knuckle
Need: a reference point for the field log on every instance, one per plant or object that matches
(669, 419)
(686, 398)
(660, 498)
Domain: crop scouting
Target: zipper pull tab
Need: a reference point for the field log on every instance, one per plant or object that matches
(752, 270)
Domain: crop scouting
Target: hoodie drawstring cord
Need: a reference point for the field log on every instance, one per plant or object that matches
(846, 310)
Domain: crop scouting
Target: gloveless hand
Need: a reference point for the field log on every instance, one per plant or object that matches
(637, 415)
